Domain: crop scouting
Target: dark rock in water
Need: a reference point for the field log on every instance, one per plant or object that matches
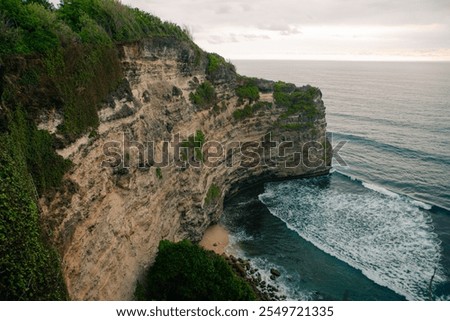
(273, 277)
(271, 288)
(263, 289)
(275, 272)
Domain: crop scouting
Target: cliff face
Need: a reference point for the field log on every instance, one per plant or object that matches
(107, 221)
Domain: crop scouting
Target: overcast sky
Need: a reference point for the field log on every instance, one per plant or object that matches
(318, 29)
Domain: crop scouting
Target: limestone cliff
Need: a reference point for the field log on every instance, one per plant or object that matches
(108, 220)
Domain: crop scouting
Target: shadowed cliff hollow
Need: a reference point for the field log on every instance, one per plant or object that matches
(151, 134)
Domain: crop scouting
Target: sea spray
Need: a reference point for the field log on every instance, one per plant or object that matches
(389, 239)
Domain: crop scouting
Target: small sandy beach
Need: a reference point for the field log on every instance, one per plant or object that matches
(215, 239)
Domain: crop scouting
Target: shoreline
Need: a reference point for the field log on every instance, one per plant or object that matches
(215, 238)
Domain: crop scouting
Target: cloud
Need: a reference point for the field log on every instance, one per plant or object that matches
(246, 7)
(234, 38)
(216, 39)
(255, 37)
(223, 10)
(235, 27)
(215, 13)
(291, 31)
(283, 29)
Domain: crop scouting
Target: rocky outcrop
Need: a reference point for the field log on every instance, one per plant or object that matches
(107, 220)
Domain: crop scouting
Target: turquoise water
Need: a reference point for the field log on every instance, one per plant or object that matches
(377, 228)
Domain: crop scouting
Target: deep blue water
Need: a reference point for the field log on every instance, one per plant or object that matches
(378, 227)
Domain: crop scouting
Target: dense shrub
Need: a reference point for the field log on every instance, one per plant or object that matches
(36, 146)
(184, 271)
(250, 110)
(204, 96)
(32, 26)
(296, 100)
(92, 33)
(87, 75)
(120, 22)
(248, 90)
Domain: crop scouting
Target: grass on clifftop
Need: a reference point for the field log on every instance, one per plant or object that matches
(72, 53)
(185, 272)
(35, 26)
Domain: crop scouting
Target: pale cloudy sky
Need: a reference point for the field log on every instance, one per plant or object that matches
(318, 29)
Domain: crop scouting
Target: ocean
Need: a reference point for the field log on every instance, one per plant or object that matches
(377, 227)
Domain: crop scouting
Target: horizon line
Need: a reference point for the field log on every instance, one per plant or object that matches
(338, 60)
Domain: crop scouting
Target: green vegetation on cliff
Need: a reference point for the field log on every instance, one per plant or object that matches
(296, 100)
(30, 26)
(213, 194)
(248, 90)
(219, 70)
(29, 268)
(195, 144)
(61, 61)
(74, 53)
(185, 272)
(214, 63)
(204, 96)
(250, 110)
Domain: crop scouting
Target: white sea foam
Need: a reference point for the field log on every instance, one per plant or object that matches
(387, 192)
(263, 265)
(386, 237)
(282, 283)
(239, 236)
(420, 204)
(353, 178)
(381, 190)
